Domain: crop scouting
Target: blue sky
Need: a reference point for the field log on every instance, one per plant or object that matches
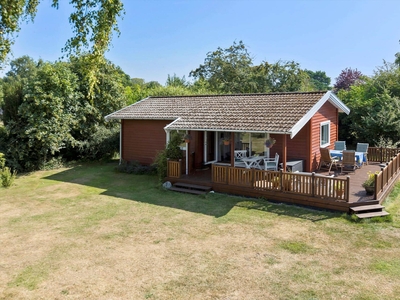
(161, 37)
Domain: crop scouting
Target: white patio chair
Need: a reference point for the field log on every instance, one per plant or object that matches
(363, 147)
(239, 155)
(271, 163)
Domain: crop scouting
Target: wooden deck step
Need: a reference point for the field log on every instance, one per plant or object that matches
(192, 186)
(372, 214)
(366, 208)
(185, 190)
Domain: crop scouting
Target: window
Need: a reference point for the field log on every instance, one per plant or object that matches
(325, 136)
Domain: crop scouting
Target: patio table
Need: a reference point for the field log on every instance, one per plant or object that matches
(360, 157)
(253, 162)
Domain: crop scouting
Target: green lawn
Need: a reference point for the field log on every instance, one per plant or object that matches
(87, 232)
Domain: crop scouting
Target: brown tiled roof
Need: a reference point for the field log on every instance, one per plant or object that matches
(277, 112)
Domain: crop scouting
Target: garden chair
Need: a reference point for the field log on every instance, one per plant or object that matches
(239, 155)
(340, 145)
(327, 161)
(271, 163)
(349, 163)
(363, 147)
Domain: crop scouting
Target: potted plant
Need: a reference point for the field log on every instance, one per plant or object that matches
(339, 188)
(369, 184)
(276, 182)
(187, 137)
(227, 140)
(270, 142)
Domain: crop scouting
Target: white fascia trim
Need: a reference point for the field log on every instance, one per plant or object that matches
(108, 117)
(329, 96)
(226, 130)
(338, 103)
(175, 120)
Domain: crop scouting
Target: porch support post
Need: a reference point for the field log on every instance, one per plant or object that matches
(232, 149)
(187, 156)
(284, 152)
(120, 142)
(167, 137)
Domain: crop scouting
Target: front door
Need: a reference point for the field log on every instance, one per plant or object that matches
(210, 149)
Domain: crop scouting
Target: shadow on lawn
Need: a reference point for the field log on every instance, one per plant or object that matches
(307, 213)
(146, 189)
(141, 188)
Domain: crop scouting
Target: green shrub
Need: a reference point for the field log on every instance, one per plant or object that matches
(7, 177)
(173, 151)
(134, 167)
(53, 163)
(103, 144)
(2, 161)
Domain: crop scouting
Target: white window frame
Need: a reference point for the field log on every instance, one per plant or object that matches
(321, 125)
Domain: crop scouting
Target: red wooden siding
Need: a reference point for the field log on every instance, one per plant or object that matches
(297, 148)
(142, 139)
(326, 113)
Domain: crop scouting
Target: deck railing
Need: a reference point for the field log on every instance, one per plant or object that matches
(376, 154)
(387, 176)
(309, 184)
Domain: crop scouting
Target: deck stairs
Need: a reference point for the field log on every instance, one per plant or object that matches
(369, 211)
(190, 188)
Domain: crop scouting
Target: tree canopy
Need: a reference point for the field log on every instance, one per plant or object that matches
(231, 70)
(375, 108)
(47, 112)
(93, 22)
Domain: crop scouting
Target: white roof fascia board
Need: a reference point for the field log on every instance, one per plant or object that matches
(329, 96)
(338, 103)
(108, 117)
(303, 121)
(225, 130)
(167, 127)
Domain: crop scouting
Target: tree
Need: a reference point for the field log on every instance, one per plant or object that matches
(109, 96)
(347, 78)
(226, 70)
(375, 107)
(45, 117)
(176, 81)
(231, 70)
(22, 69)
(319, 80)
(93, 22)
(282, 76)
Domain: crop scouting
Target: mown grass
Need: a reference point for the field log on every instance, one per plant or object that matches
(87, 232)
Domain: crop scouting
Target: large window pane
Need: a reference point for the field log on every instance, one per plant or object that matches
(325, 138)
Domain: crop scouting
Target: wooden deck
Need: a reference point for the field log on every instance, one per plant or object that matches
(308, 189)
(357, 192)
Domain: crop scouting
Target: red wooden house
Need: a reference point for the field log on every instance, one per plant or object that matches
(300, 122)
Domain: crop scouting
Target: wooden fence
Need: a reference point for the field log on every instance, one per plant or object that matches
(387, 177)
(308, 184)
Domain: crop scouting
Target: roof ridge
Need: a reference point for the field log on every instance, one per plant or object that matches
(244, 94)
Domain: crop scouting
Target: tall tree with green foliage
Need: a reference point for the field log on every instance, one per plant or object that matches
(319, 80)
(45, 117)
(21, 70)
(231, 70)
(282, 76)
(93, 22)
(375, 107)
(227, 70)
